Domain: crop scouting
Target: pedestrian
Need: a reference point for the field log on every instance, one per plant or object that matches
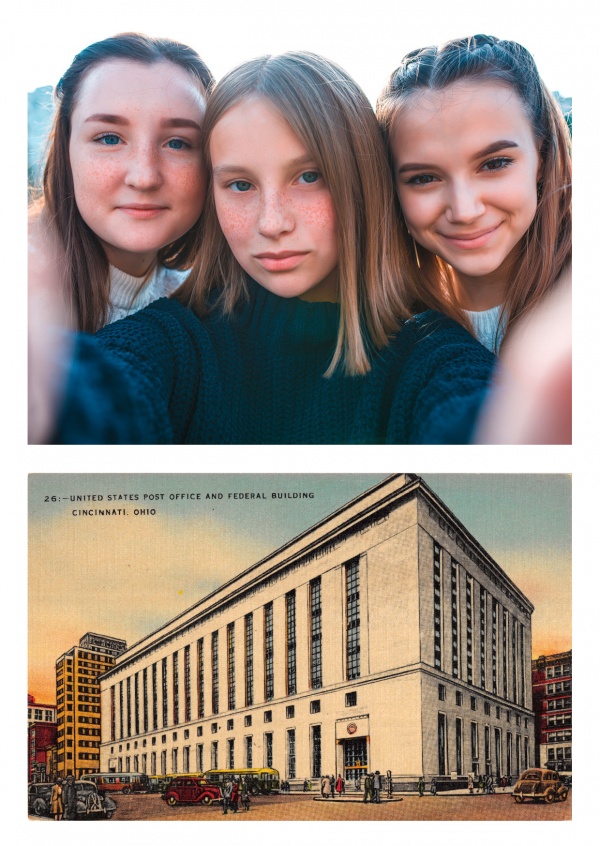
(56, 799)
(332, 781)
(245, 795)
(421, 786)
(227, 788)
(377, 787)
(305, 786)
(357, 784)
(433, 788)
(470, 783)
(323, 786)
(480, 783)
(503, 782)
(368, 795)
(389, 784)
(69, 798)
(339, 785)
(235, 796)
(326, 787)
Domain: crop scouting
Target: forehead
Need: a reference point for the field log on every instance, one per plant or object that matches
(134, 85)
(255, 125)
(463, 115)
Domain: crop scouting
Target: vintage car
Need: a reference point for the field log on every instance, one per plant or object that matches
(184, 789)
(90, 803)
(539, 784)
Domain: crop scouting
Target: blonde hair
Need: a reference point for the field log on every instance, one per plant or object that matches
(546, 247)
(334, 120)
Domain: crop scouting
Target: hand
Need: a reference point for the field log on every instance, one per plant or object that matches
(531, 402)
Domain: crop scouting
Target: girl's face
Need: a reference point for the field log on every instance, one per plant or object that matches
(273, 205)
(466, 168)
(138, 172)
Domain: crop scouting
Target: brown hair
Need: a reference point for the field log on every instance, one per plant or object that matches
(334, 120)
(87, 276)
(546, 246)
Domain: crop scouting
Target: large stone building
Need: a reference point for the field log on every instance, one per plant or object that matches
(384, 637)
(552, 704)
(78, 703)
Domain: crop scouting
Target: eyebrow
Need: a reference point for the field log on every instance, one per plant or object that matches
(495, 147)
(119, 120)
(291, 165)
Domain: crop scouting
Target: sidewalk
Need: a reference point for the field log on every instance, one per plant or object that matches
(397, 796)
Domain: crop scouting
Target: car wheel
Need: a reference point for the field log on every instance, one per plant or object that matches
(206, 800)
(126, 790)
(38, 808)
(563, 796)
(171, 800)
(108, 815)
(254, 790)
(518, 799)
(550, 797)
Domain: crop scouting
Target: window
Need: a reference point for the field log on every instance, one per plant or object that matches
(214, 727)
(455, 630)
(289, 711)
(248, 743)
(268, 716)
(175, 690)
(437, 606)
(291, 753)
(230, 753)
(268, 749)
(486, 709)
(482, 634)
(174, 737)
(316, 658)
(352, 620)
(290, 641)
(315, 706)
(351, 699)
(249, 656)
(199, 731)
(469, 591)
(441, 692)
(269, 669)
(248, 720)
(442, 744)
(229, 725)
(200, 678)
(231, 666)
(459, 698)
(497, 712)
(187, 693)
(165, 700)
(215, 671)
(214, 754)
(473, 703)
(199, 757)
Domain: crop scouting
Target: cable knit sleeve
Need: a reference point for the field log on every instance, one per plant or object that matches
(136, 381)
(443, 383)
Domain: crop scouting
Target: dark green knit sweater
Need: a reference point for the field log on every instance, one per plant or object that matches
(164, 376)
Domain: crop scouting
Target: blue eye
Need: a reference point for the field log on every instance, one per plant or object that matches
(241, 186)
(178, 144)
(109, 139)
(310, 177)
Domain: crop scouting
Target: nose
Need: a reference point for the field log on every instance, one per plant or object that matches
(144, 172)
(464, 203)
(275, 214)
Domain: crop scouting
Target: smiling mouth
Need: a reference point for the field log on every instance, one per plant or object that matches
(142, 211)
(472, 240)
(285, 260)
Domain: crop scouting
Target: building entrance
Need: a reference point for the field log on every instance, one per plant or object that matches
(355, 758)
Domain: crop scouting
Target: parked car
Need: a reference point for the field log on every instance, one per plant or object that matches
(539, 784)
(185, 789)
(90, 803)
(158, 784)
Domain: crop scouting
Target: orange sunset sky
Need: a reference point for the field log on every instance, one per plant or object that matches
(127, 575)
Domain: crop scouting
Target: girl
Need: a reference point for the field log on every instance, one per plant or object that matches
(480, 153)
(124, 181)
(288, 329)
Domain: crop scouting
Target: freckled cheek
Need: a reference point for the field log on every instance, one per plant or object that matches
(236, 223)
(94, 182)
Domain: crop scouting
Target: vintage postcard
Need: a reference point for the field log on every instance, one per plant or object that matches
(299, 647)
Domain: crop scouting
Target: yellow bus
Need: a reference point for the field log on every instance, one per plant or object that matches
(260, 779)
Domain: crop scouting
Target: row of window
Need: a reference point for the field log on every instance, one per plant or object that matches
(499, 632)
(496, 758)
(558, 670)
(134, 703)
(487, 707)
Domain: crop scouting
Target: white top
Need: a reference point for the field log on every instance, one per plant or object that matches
(485, 327)
(127, 297)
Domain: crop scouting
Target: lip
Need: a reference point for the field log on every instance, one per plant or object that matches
(284, 260)
(472, 240)
(142, 211)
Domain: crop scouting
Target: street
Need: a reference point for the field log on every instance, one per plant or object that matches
(301, 807)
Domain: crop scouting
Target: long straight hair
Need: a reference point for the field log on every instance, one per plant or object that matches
(334, 120)
(545, 250)
(87, 265)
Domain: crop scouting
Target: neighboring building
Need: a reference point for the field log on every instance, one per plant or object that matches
(38, 713)
(384, 637)
(552, 704)
(78, 702)
(41, 733)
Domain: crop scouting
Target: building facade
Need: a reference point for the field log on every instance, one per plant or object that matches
(384, 637)
(41, 735)
(552, 702)
(78, 703)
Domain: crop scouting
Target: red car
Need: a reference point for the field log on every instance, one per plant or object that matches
(186, 789)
